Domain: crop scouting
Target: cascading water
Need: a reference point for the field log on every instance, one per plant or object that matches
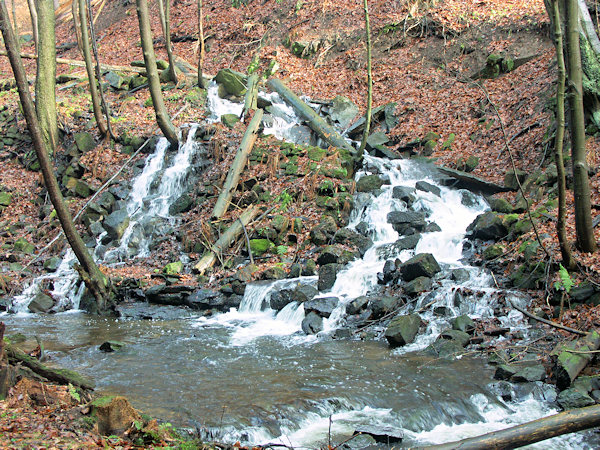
(251, 375)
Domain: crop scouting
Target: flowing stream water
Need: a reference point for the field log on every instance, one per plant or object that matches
(252, 375)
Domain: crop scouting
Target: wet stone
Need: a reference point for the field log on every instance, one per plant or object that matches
(303, 293)
(530, 373)
(504, 372)
(312, 323)
(322, 306)
(327, 276)
(418, 286)
(403, 329)
(463, 323)
(573, 398)
(428, 187)
(421, 265)
(357, 305)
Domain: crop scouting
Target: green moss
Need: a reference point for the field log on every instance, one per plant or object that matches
(316, 154)
(103, 402)
(493, 251)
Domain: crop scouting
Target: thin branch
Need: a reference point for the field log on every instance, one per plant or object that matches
(547, 322)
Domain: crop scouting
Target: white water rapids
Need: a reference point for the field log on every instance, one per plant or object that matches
(255, 369)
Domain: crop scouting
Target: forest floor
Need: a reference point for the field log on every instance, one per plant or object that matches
(424, 57)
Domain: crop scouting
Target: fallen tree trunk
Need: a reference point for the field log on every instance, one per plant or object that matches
(251, 96)
(77, 63)
(239, 162)
(315, 122)
(62, 376)
(572, 357)
(531, 432)
(226, 239)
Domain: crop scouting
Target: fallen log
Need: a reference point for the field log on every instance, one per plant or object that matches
(463, 180)
(77, 63)
(239, 162)
(315, 122)
(62, 376)
(251, 96)
(531, 432)
(226, 239)
(572, 357)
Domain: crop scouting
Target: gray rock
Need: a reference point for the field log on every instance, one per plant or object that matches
(327, 276)
(111, 346)
(444, 348)
(280, 299)
(369, 183)
(183, 204)
(404, 193)
(383, 305)
(84, 141)
(229, 120)
(349, 237)
(573, 398)
(403, 329)
(455, 335)
(510, 179)
(52, 264)
(463, 323)
(168, 295)
(41, 303)
(428, 187)
(343, 111)
(116, 224)
(535, 372)
(382, 434)
(357, 305)
(500, 205)
(402, 221)
(463, 180)
(404, 243)
(303, 293)
(504, 372)
(460, 275)
(421, 265)
(203, 299)
(330, 254)
(487, 226)
(417, 286)
(312, 323)
(322, 306)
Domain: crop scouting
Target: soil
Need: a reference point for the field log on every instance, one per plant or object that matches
(423, 60)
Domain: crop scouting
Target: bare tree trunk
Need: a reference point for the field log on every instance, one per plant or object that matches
(89, 67)
(162, 116)
(164, 11)
(94, 279)
(201, 81)
(45, 82)
(76, 23)
(34, 22)
(98, 71)
(558, 144)
(363, 142)
(581, 190)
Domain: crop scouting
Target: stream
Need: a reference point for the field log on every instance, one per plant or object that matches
(252, 375)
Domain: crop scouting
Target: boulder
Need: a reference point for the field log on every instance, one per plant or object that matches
(487, 226)
(168, 295)
(404, 243)
(52, 264)
(455, 335)
(417, 286)
(348, 237)
(204, 299)
(504, 372)
(41, 303)
(407, 222)
(84, 141)
(330, 254)
(369, 183)
(173, 268)
(573, 398)
(5, 199)
(343, 111)
(229, 120)
(233, 82)
(183, 204)
(322, 306)
(463, 180)
(260, 246)
(327, 276)
(303, 293)
(389, 272)
(382, 434)
(500, 205)
(24, 246)
(111, 346)
(535, 372)
(116, 224)
(404, 193)
(280, 299)
(421, 265)
(383, 305)
(463, 323)
(444, 348)
(460, 275)
(428, 187)
(403, 329)
(357, 305)
(312, 323)
(114, 415)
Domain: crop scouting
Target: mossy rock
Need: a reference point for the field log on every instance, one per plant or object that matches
(448, 142)
(5, 198)
(260, 246)
(84, 142)
(493, 251)
(521, 227)
(501, 205)
(326, 187)
(173, 268)
(316, 154)
(233, 82)
(229, 120)
(24, 246)
(339, 173)
(291, 169)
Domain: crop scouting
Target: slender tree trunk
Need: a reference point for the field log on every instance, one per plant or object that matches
(162, 116)
(76, 23)
(365, 136)
(34, 22)
(558, 145)
(164, 11)
(89, 67)
(583, 214)
(90, 22)
(94, 279)
(45, 82)
(201, 81)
